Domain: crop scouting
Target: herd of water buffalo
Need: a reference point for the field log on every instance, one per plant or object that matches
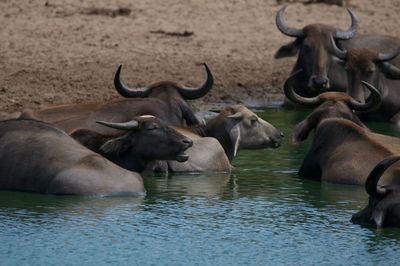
(101, 148)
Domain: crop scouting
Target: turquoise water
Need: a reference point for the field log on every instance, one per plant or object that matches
(261, 214)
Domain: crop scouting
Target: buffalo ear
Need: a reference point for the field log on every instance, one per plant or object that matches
(115, 146)
(301, 131)
(236, 116)
(288, 50)
(95, 141)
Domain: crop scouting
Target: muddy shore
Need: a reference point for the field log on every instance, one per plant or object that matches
(58, 52)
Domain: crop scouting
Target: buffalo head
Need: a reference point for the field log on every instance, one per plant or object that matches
(383, 209)
(170, 93)
(330, 105)
(255, 132)
(366, 64)
(141, 140)
(314, 49)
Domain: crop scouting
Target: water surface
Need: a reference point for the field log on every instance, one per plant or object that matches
(261, 214)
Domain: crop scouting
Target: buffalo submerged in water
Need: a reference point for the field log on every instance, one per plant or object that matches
(37, 157)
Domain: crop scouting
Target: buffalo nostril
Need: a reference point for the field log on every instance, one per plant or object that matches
(320, 81)
(188, 142)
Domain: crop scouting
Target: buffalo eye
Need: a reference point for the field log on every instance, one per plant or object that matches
(347, 68)
(253, 119)
(370, 70)
(152, 126)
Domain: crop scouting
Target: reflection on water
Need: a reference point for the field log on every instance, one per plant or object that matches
(262, 213)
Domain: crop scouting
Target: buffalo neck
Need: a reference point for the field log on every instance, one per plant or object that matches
(124, 158)
(222, 132)
(127, 160)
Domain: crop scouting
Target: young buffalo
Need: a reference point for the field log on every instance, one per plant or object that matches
(379, 69)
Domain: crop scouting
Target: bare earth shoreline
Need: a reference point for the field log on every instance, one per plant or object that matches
(58, 52)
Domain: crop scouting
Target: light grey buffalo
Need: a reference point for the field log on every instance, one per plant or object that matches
(37, 157)
(216, 143)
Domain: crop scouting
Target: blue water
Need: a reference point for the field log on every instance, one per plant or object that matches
(261, 214)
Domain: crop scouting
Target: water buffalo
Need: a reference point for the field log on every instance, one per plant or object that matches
(137, 142)
(329, 105)
(378, 68)
(37, 157)
(343, 149)
(217, 142)
(315, 54)
(165, 100)
(383, 209)
(344, 152)
(251, 132)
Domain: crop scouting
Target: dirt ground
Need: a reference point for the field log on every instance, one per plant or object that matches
(66, 51)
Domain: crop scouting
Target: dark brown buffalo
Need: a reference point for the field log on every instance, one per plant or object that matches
(328, 105)
(137, 143)
(38, 157)
(165, 100)
(383, 209)
(315, 54)
(378, 68)
(343, 152)
(343, 149)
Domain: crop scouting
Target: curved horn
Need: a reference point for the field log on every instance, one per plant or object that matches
(341, 54)
(374, 100)
(390, 71)
(195, 93)
(285, 29)
(128, 92)
(382, 57)
(371, 185)
(294, 97)
(130, 125)
(345, 35)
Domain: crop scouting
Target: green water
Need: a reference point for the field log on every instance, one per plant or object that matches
(261, 214)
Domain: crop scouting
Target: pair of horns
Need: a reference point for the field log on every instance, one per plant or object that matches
(186, 92)
(372, 104)
(299, 33)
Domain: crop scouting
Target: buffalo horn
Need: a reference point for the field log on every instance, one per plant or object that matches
(293, 96)
(373, 103)
(341, 54)
(285, 29)
(383, 57)
(130, 125)
(371, 185)
(195, 93)
(390, 71)
(128, 92)
(345, 35)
